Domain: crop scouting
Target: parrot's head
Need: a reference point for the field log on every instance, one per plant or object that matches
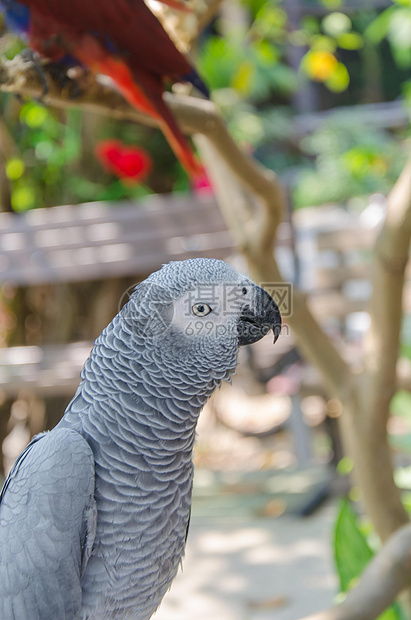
(199, 311)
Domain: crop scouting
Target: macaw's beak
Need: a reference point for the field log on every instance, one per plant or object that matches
(258, 318)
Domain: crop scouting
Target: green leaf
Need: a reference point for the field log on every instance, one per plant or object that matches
(23, 198)
(15, 168)
(218, 60)
(243, 78)
(339, 80)
(352, 552)
(394, 612)
(345, 466)
(406, 347)
(332, 4)
(34, 115)
(378, 28)
(350, 41)
(403, 2)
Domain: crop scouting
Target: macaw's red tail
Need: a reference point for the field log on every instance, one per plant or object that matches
(145, 94)
(168, 125)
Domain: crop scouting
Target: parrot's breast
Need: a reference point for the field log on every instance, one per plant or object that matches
(140, 540)
(142, 447)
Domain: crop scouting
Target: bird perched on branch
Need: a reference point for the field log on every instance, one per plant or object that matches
(94, 514)
(121, 39)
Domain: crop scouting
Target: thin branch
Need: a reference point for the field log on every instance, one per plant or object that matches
(388, 573)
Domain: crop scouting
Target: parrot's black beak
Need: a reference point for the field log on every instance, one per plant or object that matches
(258, 318)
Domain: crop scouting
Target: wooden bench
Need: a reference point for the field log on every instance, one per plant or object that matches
(46, 371)
(101, 240)
(97, 241)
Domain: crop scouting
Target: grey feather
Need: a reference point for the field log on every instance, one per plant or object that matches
(94, 515)
(47, 525)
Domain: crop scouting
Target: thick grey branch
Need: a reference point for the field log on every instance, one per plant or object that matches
(368, 437)
(382, 342)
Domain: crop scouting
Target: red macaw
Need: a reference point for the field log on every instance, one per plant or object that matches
(118, 38)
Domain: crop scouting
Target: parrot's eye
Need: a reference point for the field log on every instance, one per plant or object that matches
(244, 291)
(201, 309)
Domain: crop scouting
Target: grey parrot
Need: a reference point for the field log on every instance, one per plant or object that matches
(94, 514)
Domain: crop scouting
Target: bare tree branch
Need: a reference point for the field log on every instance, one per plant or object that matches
(366, 433)
(254, 227)
(388, 573)
(391, 256)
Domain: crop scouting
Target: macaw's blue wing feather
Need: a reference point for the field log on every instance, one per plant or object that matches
(197, 82)
(17, 16)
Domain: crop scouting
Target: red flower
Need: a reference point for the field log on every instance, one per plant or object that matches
(129, 163)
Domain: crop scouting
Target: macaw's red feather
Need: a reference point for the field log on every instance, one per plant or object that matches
(146, 94)
(123, 40)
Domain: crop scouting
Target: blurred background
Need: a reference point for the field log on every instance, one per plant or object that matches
(318, 91)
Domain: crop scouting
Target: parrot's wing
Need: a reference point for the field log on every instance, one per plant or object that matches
(129, 25)
(47, 527)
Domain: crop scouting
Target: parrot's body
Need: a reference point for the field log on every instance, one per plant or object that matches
(121, 39)
(94, 514)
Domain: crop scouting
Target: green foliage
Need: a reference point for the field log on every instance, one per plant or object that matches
(352, 554)
(394, 24)
(247, 68)
(54, 165)
(253, 70)
(47, 146)
(350, 159)
(249, 125)
(253, 58)
(345, 466)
